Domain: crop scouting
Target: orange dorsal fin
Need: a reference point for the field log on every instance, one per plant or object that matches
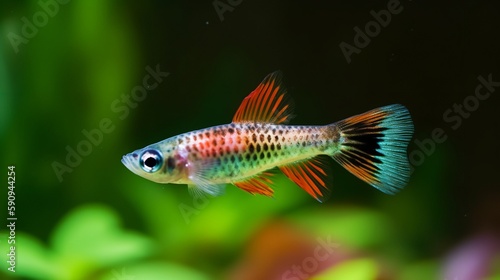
(312, 176)
(259, 184)
(268, 103)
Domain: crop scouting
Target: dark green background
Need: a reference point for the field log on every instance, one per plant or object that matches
(90, 53)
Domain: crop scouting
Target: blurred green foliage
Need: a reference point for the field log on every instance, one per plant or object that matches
(361, 269)
(103, 222)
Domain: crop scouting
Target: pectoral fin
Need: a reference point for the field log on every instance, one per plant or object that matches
(202, 185)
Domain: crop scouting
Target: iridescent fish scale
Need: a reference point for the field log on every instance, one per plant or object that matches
(241, 150)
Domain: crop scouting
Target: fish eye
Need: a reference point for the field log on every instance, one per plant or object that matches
(151, 161)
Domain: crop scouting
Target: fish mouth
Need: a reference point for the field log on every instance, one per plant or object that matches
(130, 162)
(127, 162)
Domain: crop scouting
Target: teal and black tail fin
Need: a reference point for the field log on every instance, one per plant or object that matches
(373, 147)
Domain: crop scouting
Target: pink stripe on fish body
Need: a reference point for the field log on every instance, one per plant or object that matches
(240, 150)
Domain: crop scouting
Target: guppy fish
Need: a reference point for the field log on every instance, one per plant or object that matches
(372, 146)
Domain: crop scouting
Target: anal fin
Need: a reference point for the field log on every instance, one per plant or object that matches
(312, 176)
(259, 184)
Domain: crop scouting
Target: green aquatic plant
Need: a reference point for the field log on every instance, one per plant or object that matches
(90, 243)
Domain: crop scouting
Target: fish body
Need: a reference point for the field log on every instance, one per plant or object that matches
(245, 152)
(238, 150)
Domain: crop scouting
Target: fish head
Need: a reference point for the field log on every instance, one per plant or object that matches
(155, 162)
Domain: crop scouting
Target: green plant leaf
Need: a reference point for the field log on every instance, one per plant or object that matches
(360, 269)
(428, 269)
(356, 227)
(154, 271)
(93, 232)
(34, 260)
